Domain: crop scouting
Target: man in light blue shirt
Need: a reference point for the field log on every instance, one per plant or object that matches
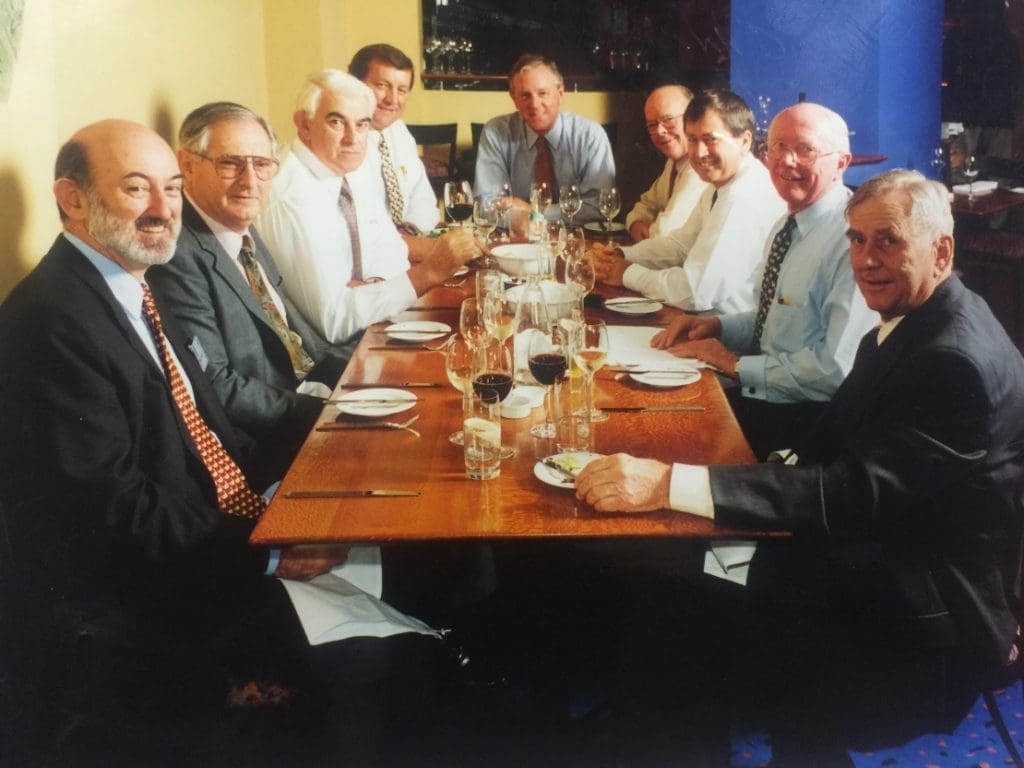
(813, 316)
(510, 145)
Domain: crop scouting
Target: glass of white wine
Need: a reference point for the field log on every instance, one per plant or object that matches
(608, 203)
(458, 365)
(500, 315)
(485, 217)
(590, 352)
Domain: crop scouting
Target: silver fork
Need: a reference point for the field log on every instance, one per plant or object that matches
(404, 425)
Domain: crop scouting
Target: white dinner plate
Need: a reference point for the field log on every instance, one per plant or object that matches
(350, 403)
(600, 226)
(417, 330)
(629, 305)
(573, 462)
(666, 379)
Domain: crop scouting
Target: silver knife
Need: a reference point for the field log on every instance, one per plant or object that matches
(652, 408)
(346, 494)
(379, 385)
(568, 476)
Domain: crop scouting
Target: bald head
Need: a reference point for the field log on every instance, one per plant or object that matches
(808, 151)
(118, 188)
(663, 114)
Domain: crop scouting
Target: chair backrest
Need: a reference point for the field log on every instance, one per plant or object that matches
(612, 129)
(476, 129)
(438, 134)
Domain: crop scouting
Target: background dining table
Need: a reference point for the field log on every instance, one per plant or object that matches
(443, 504)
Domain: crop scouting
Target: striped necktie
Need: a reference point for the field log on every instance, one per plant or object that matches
(770, 279)
(396, 205)
(233, 493)
(348, 211)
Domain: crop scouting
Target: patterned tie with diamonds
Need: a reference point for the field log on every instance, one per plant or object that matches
(396, 205)
(301, 362)
(233, 493)
(779, 249)
(348, 211)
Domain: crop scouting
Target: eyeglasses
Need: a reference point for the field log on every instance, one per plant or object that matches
(233, 166)
(804, 154)
(665, 121)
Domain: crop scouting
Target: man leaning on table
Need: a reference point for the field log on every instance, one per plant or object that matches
(344, 263)
(669, 201)
(139, 603)
(539, 142)
(390, 146)
(710, 263)
(269, 367)
(791, 353)
(889, 608)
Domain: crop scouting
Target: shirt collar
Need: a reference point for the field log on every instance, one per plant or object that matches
(809, 217)
(125, 287)
(229, 240)
(887, 328)
(553, 137)
(313, 163)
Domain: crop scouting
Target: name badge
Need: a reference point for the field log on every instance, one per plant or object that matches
(197, 349)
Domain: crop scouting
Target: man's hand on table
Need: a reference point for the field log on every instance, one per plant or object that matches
(687, 328)
(623, 483)
(711, 351)
(442, 257)
(303, 563)
(609, 264)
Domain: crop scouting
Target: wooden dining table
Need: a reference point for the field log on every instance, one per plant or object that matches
(446, 505)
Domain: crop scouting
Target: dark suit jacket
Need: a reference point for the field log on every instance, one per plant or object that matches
(242, 355)
(904, 502)
(110, 514)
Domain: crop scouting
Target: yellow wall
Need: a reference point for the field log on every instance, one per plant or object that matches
(84, 60)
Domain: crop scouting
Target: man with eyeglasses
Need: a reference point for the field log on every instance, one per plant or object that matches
(670, 200)
(792, 351)
(327, 225)
(269, 367)
(709, 263)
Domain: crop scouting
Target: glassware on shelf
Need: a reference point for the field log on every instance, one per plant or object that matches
(970, 172)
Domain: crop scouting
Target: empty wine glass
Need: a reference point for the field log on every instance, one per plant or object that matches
(970, 172)
(590, 351)
(570, 201)
(458, 365)
(546, 357)
(575, 243)
(485, 217)
(471, 322)
(608, 203)
(458, 200)
(540, 196)
(580, 275)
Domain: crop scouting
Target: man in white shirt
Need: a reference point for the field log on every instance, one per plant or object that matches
(327, 226)
(670, 200)
(390, 146)
(710, 264)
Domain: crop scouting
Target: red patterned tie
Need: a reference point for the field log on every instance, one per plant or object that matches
(544, 170)
(233, 493)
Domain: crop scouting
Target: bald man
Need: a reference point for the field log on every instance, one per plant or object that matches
(792, 351)
(670, 200)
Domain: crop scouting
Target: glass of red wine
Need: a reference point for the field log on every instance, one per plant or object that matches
(492, 372)
(458, 201)
(546, 356)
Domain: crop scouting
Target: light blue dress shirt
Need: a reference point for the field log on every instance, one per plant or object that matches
(580, 151)
(817, 317)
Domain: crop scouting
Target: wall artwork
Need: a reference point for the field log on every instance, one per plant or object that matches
(11, 13)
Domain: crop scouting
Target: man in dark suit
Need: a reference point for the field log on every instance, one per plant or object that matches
(893, 602)
(130, 598)
(269, 367)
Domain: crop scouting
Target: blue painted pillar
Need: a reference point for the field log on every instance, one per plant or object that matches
(876, 62)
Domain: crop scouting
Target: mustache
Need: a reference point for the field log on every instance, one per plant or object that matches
(151, 221)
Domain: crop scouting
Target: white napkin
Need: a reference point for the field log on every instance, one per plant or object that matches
(630, 345)
(346, 602)
(729, 559)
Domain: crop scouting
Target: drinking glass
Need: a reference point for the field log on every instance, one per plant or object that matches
(540, 196)
(608, 203)
(481, 429)
(531, 317)
(970, 172)
(458, 200)
(575, 243)
(492, 373)
(573, 422)
(590, 352)
(570, 201)
(547, 361)
(580, 275)
(485, 217)
(471, 322)
(458, 365)
(500, 315)
(488, 281)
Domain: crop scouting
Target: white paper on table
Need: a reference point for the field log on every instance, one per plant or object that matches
(346, 602)
(630, 345)
(729, 559)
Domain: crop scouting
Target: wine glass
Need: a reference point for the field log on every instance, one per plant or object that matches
(458, 365)
(458, 200)
(492, 373)
(471, 322)
(970, 172)
(485, 217)
(590, 351)
(580, 275)
(938, 161)
(608, 203)
(570, 201)
(547, 361)
(500, 315)
(575, 243)
(540, 196)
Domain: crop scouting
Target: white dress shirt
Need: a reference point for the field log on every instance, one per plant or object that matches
(712, 261)
(666, 212)
(305, 232)
(420, 205)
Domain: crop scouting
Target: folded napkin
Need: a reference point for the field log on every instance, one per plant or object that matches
(630, 345)
(729, 559)
(979, 188)
(346, 602)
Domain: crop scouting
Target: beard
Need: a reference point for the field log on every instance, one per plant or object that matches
(125, 238)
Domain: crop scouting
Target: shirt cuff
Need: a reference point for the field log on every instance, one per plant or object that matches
(689, 490)
(274, 557)
(753, 380)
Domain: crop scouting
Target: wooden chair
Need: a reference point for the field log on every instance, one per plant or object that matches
(440, 168)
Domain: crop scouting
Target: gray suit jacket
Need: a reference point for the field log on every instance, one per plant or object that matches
(232, 337)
